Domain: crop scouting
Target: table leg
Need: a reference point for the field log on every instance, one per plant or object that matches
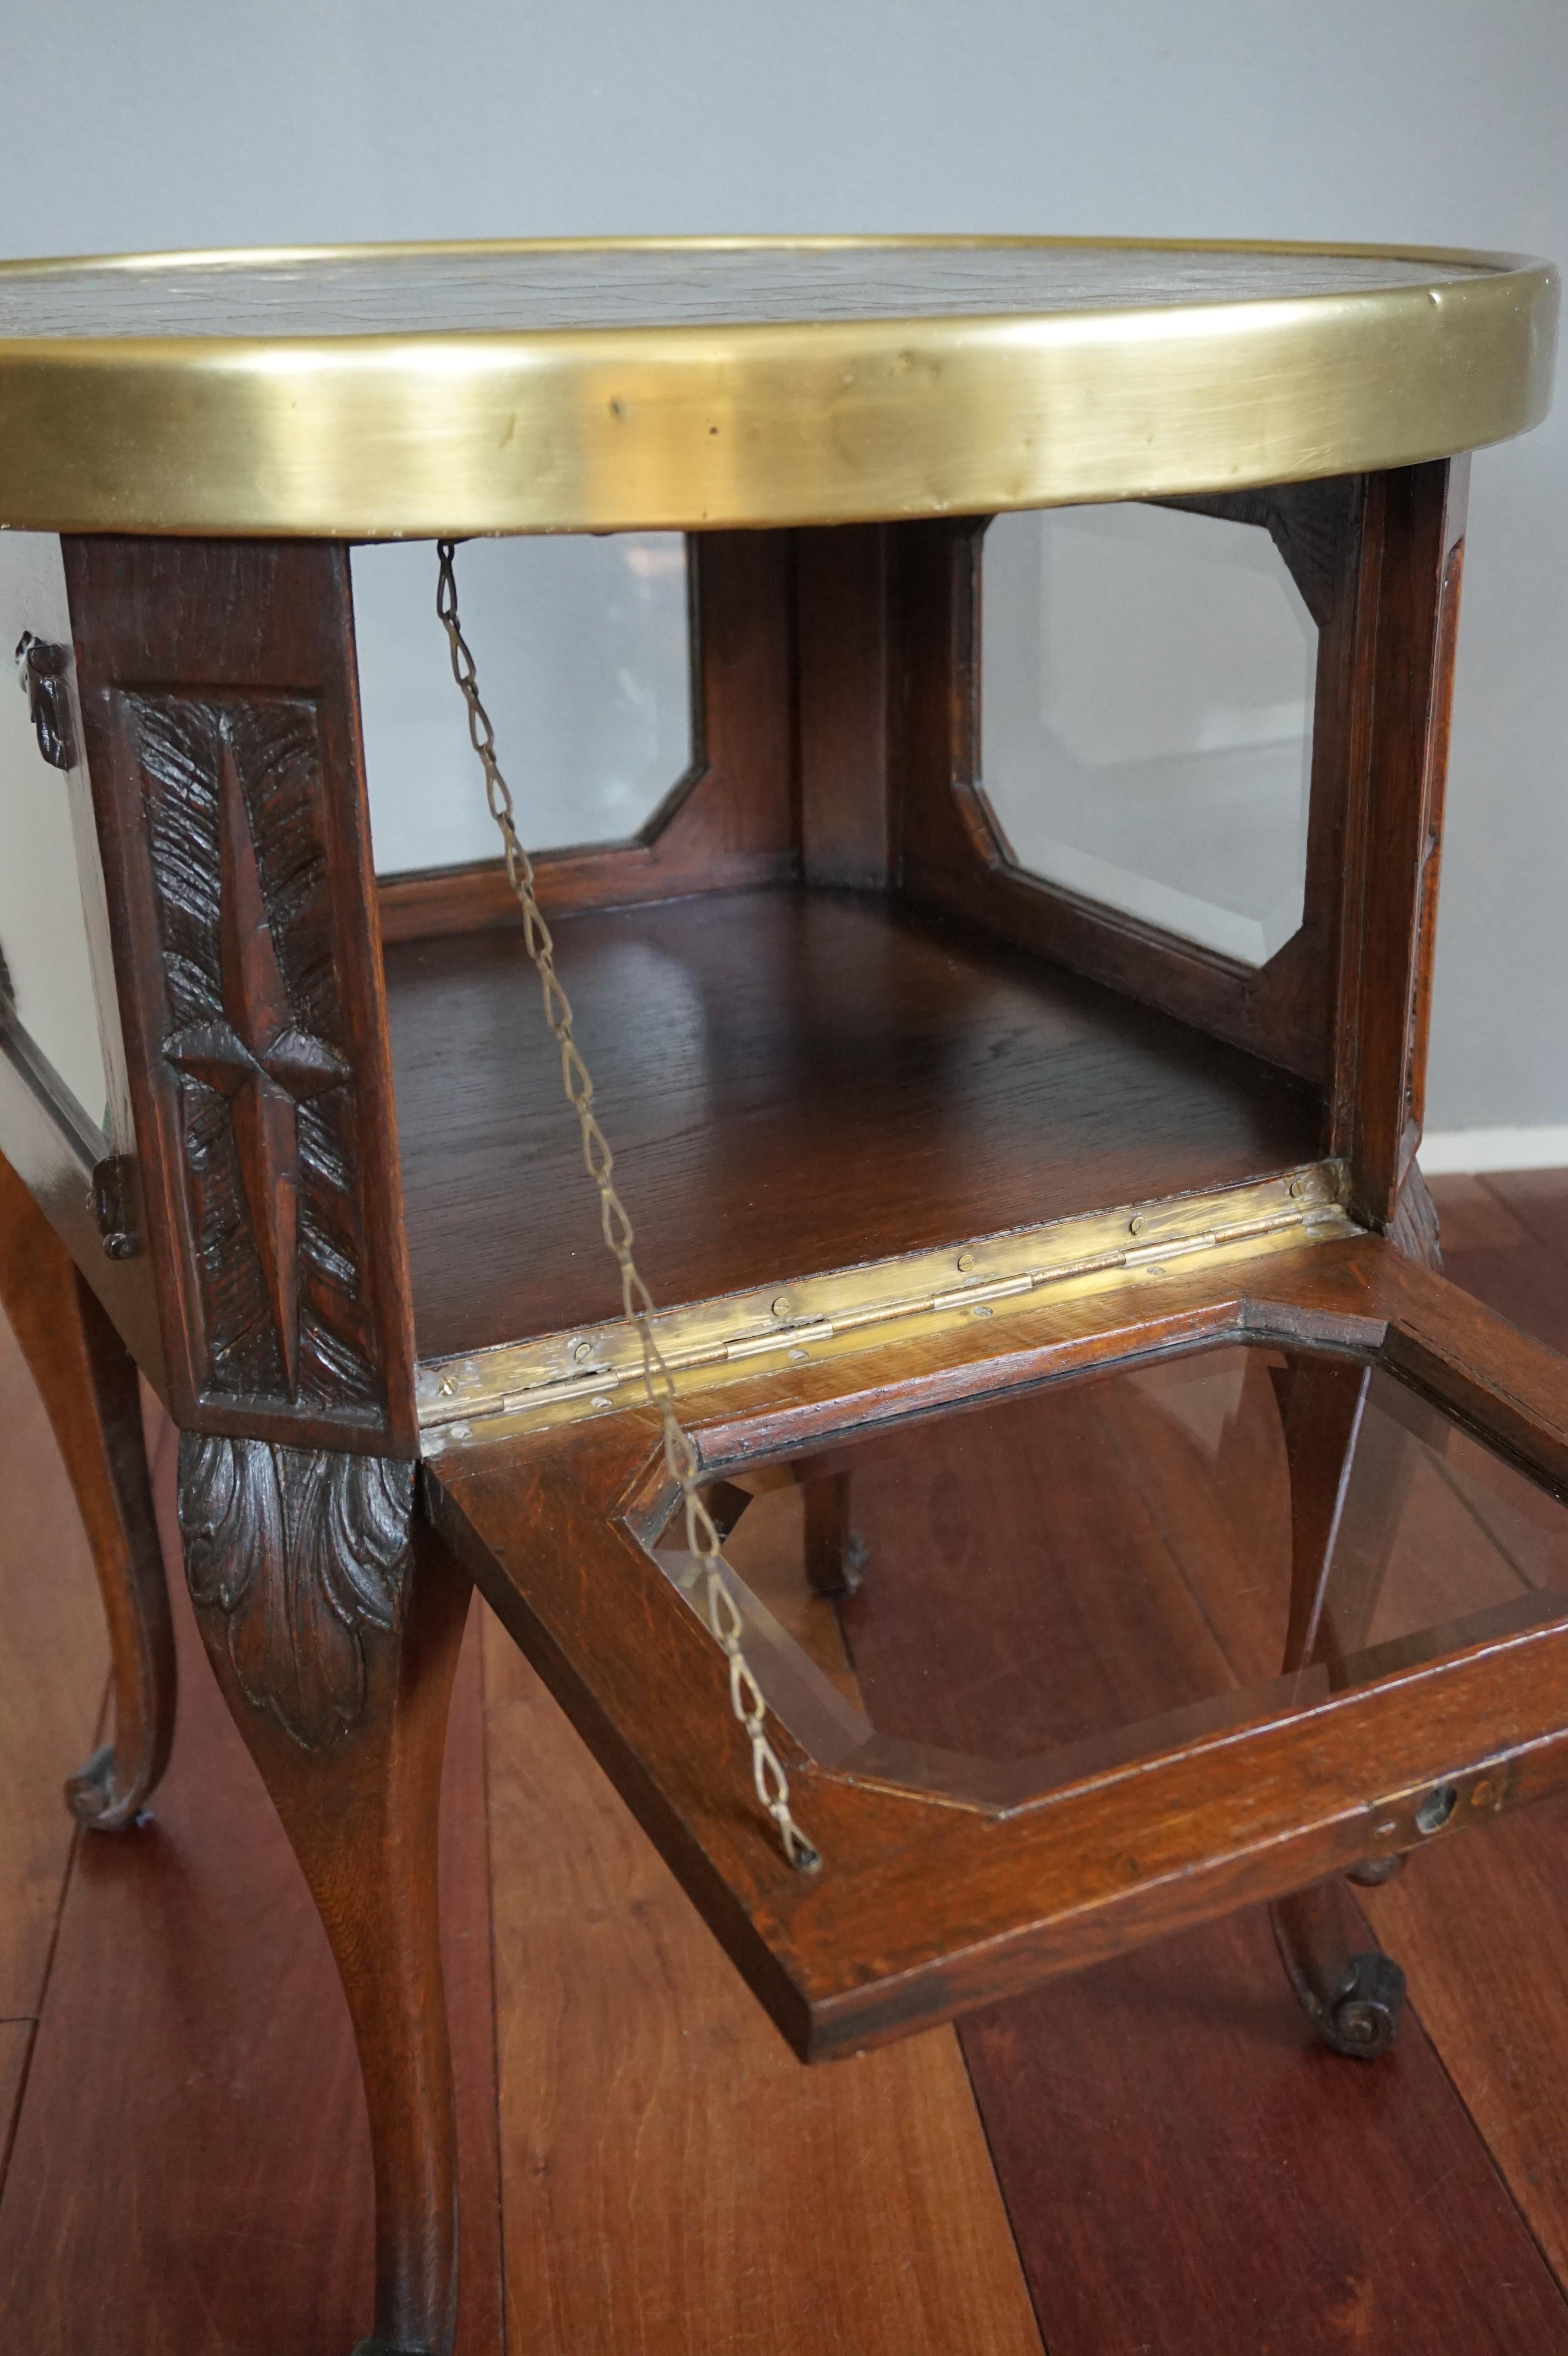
(333, 1617)
(1352, 1997)
(88, 1382)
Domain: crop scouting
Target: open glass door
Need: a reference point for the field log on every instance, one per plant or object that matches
(1026, 1723)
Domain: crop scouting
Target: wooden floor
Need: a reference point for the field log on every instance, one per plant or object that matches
(1151, 2160)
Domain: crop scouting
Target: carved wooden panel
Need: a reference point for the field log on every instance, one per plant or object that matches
(258, 1041)
(218, 680)
(303, 1557)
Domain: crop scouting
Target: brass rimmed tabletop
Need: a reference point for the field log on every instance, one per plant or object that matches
(392, 391)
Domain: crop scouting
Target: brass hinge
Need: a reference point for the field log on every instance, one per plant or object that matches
(594, 1368)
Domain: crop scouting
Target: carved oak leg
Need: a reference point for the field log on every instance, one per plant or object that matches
(333, 1616)
(1352, 1997)
(88, 1382)
(1352, 2000)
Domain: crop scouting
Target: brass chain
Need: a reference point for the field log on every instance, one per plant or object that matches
(680, 1457)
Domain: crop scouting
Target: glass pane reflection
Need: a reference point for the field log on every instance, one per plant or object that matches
(583, 651)
(43, 925)
(1146, 716)
(1094, 1571)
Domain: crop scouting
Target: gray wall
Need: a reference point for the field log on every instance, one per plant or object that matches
(125, 125)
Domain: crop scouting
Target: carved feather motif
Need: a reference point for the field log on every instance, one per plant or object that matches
(303, 1552)
(256, 1039)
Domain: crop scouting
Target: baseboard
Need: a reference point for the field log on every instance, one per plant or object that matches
(1452, 1152)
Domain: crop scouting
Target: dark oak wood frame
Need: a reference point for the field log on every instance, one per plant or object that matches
(265, 1292)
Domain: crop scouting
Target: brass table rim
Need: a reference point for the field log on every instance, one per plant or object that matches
(443, 431)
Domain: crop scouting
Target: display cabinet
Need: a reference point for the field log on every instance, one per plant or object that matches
(1001, 951)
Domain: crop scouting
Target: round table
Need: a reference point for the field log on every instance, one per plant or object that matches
(906, 1129)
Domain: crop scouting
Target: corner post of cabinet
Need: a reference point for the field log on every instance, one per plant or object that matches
(1412, 564)
(944, 840)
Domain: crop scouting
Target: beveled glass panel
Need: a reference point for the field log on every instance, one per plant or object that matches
(43, 926)
(1038, 1588)
(1146, 687)
(585, 659)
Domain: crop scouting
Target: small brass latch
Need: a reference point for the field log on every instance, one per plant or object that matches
(113, 1200)
(43, 670)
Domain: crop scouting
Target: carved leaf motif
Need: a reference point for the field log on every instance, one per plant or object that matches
(303, 1552)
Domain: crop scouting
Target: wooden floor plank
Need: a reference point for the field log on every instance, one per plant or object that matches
(1477, 1925)
(16, 2039)
(1009, 1559)
(1472, 1217)
(1190, 2174)
(54, 1666)
(676, 2183)
(1538, 1199)
(191, 2169)
(1529, 1288)
(1504, 1238)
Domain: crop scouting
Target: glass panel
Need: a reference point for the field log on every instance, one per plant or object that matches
(43, 929)
(1039, 1587)
(585, 663)
(1147, 717)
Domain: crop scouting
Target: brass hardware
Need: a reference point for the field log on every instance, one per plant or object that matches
(741, 422)
(780, 1306)
(44, 670)
(965, 1259)
(859, 1308)
(113, 1206)
(1169, 1247)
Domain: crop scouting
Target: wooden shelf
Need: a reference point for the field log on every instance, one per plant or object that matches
(792, 1082)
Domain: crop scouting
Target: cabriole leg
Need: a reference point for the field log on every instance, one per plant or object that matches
(1351, 1998)
(88, 1382)
(333, 1617)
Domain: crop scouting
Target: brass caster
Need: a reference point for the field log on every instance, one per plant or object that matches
(1363, 2020)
